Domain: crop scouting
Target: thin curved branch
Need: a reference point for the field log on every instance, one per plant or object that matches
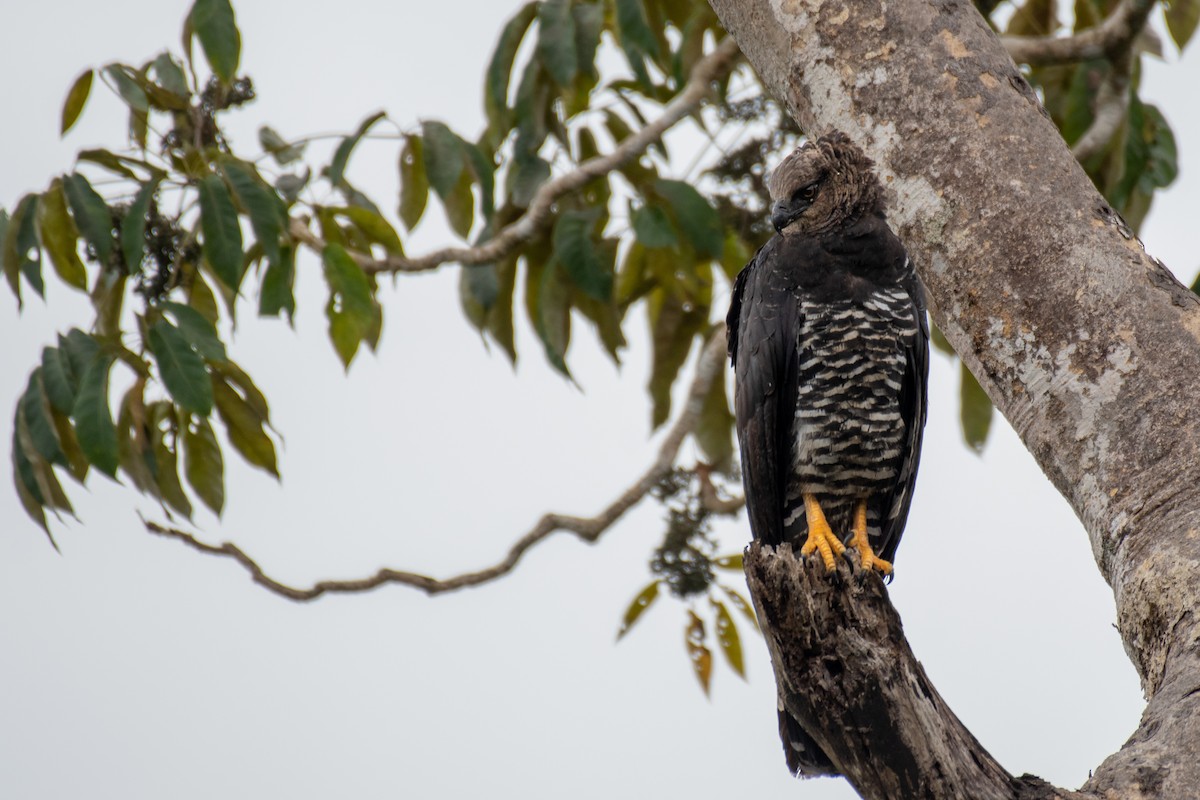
(1112, 104)
(1110, 38)
(539, 214)
(708, 366)
(711, 498)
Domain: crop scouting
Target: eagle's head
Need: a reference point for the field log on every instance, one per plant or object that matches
(823, 185)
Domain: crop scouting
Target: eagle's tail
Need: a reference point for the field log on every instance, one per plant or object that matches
(805, 758)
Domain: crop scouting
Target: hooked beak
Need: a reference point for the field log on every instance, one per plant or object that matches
(783, 214)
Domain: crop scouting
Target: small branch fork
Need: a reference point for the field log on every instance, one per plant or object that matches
(540, 212)
(1109, 39)
(709, 365)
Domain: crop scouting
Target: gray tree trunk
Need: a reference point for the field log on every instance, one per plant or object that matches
(1085, 343)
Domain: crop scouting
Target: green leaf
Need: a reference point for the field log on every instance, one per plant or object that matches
(280, 149)
(337, 169)
(213, 22)
(700, 222)
(636, 37)
(164, 426)
(238, 378)
(741, 604)
(460, 206)
(653, 227)
(197, 329)
(109, 160)
(59, 237)
(108, 299)
(373, 226)
(170, 75)
(414, 184)
(478, 288)
(57, 380)
(939, 340)
(35, 411)
(222, 245)
(79, 349)
(551, 312)
(128, 87)
(484, 170)
(576, 252)
(532, 105)
(589, 25)
(133, 227)
(672, 329)
(268, 215)
(728, 638)
(499, 321)
(93, 419)
(181, 368)
(444, 157)
(277, 286)
(556, 40)
(76, 99)
(77, 463)
(351, 309)
(975, 411)
(244, 427)
(714, 430)
(525, 176)
(134, 446)
(1182, 17)
(645, 598)
(204, 466)
(20, 240)
(699, 654)
(27, 487)
(733, 562)
(495, 96)
(92, 215)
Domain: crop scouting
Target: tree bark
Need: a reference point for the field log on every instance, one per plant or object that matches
(1085, 343)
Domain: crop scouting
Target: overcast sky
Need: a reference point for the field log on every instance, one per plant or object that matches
(133, 668)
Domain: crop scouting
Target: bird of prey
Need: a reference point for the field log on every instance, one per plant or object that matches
(830, 346)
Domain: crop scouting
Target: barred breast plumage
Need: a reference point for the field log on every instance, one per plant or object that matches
(849, 432)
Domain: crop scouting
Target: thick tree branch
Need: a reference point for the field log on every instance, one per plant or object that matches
(541, 209)
(1109, 39)
(709, 364)
(846, 673)
(1083, 341)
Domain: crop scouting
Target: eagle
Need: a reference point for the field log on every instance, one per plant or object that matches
(830, 347)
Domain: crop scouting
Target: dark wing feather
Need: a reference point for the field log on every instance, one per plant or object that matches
(913, 398)
(763, 320)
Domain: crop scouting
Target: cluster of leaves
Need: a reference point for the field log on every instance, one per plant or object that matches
(176, 367)
(685, 564)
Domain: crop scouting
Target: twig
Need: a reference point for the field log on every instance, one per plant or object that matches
(709, 496)
(1108, 39)
(540, 211)
(708, 366)
(1112, 103)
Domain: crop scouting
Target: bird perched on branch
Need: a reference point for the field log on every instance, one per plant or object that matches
(829, 342)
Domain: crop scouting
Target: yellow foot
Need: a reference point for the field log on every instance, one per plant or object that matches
(866, 556)
(820, 537)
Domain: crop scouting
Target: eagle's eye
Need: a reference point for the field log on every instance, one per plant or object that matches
(806, 193)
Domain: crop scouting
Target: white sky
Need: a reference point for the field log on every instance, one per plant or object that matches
(133, 668)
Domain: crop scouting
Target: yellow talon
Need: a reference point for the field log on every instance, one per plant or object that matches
(866, 555)
(820, 537)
